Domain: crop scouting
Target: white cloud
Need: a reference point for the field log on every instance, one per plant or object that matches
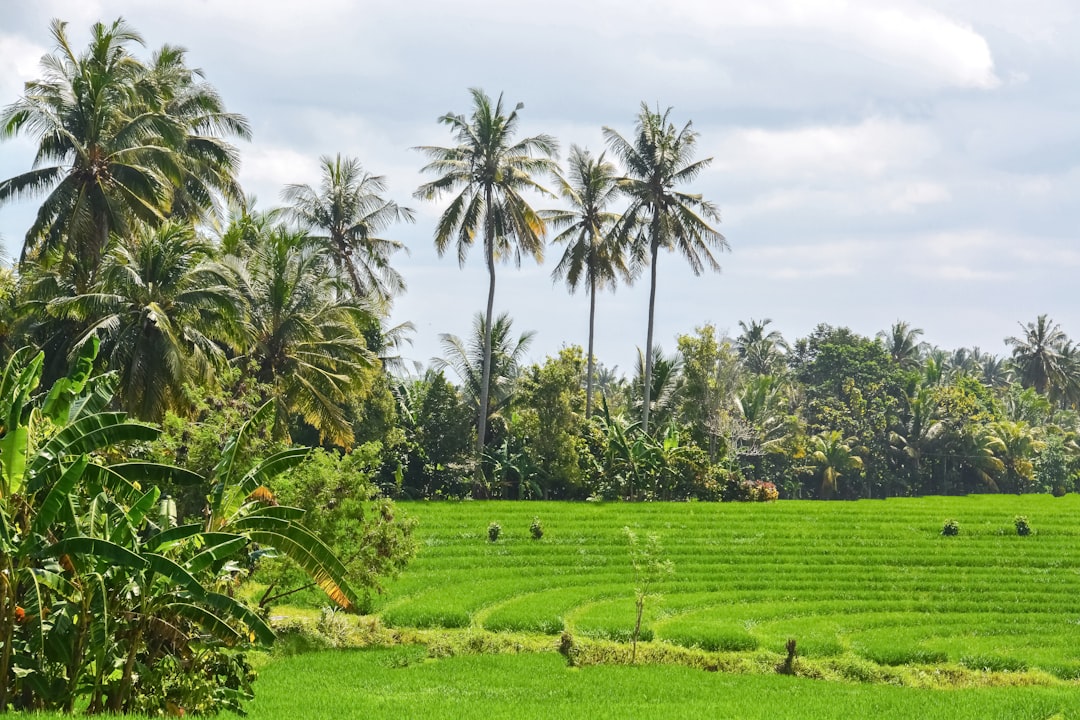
(870, 149)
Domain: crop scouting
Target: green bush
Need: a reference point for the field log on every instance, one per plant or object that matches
(536, 529)
(1022, 526)
(951, 528)
(493, 531)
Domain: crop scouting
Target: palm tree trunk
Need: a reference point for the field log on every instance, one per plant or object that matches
(485, 380)
(592, 321)
(649, 337)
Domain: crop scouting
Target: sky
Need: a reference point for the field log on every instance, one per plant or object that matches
(872, 160)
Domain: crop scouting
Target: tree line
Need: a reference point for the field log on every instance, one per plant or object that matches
(145, 242)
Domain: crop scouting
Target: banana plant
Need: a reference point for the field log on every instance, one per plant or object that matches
(96, 589)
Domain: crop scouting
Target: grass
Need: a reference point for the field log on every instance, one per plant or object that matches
(401, 683)
(874, 580)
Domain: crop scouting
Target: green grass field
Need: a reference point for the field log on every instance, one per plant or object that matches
(399, 683)
(874, 580)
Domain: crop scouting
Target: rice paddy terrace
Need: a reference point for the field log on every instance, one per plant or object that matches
(871, 579)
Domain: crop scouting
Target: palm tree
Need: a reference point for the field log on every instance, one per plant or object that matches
(466, 359)
(349, 205)
(1037, 355)
(116, 141)
(160, 309)
(208, 164)
(761, 352)
(903, 344)
(658, 159)
(593, 251)
(831, 458)
(491, 170)
(665, 388)
(303, 334)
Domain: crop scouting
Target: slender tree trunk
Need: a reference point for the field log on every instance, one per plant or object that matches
(485, 379)
(592, 322)
(649, 336)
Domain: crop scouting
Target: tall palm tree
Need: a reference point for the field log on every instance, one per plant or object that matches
(303, 334)
(593, 252)
(160, 308)
(1037, 355)
(349, 206)
(659, 158)
(491, 170)
(903, 344)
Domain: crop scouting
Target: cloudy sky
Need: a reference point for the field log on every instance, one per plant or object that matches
(874, 160)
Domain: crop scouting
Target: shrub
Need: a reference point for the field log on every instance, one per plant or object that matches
(750, 491)
(536, 529)
(950, 528)
(493, 531)
(1060, 491)
(1022, 527)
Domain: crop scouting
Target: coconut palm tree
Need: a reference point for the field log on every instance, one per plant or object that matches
(466, 359)
(1037, 355)
(208, 163)
(593, 252)
(160, 308)
(116, 141)
(831, 458)
(350, 207)
(489, 170)
(657, 159)
(903, 344)
(665, 388)
(303, 333)
(761, 352)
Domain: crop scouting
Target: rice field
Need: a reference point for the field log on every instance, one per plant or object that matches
(401, 683)
(871, 579)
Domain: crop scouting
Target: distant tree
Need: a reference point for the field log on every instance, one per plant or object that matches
(466, 360)
(1037, 355)
(831, 458)
(761, 352)
(903, 344)
(492, 170)
(657, 159)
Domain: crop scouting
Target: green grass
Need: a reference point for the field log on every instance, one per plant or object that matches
(400, 683)
(871, 579)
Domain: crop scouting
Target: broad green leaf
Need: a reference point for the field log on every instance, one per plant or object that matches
(58, 493)
(208, 621)
(304, 548)
(167, 539)
(241, 612)
(216, 553)
(96, 547)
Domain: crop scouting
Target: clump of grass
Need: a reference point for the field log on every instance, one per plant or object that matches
(494, 529)
(536, 529)
(1022, 526)
(950, 528)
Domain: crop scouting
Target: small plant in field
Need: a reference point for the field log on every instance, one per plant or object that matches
(950, 528)
(536, 529)
(494, 529)
(1021, 523)
(788, 666)
(649, 568)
